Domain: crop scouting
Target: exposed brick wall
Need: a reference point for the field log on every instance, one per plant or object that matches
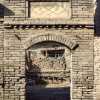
(12, 51)
(1, 53)
(15, 8)
(97, 67)
(82, 9)
(1, 58)
(79, 10)
(82, 66)
(82, 58)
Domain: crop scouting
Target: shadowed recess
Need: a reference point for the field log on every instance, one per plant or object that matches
(4, 11)
(97, 18)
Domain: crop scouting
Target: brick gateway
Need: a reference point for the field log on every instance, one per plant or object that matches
(48, 45)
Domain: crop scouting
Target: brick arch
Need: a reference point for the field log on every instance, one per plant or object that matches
(71, 44)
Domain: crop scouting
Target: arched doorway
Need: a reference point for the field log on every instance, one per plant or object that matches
(48, 65)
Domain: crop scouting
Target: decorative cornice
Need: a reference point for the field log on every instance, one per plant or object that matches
(49, 26)
(49, 0)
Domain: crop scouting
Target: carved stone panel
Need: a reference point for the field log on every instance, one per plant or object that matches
(50, 10)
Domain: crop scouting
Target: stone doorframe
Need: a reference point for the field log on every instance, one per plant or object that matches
(66, 41)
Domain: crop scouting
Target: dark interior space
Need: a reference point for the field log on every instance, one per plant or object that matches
(97, 18)
(1, 11)
(36, 85)
(4, 11)
(49, 94)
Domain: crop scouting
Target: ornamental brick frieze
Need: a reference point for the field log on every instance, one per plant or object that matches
(49, 26)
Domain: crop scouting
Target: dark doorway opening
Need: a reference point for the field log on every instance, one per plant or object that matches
(47, 73)
(37, 82)
(49, 94)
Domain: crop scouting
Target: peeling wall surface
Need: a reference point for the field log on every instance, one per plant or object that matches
(49, 57)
